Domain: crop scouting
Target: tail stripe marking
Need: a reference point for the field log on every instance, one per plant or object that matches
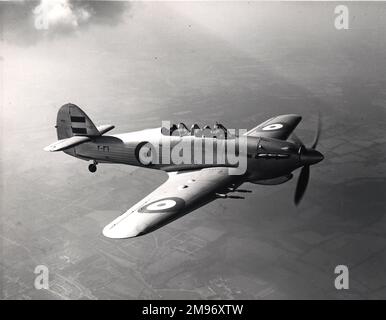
(78, 119)
(79, 130)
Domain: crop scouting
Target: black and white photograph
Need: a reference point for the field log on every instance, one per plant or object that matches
(192, 150)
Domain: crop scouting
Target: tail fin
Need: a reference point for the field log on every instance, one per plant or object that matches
(73, 121)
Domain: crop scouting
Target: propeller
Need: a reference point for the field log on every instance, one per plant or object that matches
(301, 186)
(317, 133)
(308, 157)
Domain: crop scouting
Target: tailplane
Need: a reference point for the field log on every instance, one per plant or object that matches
(74, 127)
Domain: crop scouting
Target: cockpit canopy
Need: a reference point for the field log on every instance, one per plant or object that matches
(194, 129)
(218, 131)
(183, 129)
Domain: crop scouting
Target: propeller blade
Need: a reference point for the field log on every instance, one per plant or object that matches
(302, 184)
(317, 133)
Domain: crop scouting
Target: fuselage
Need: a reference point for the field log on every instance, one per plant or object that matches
(265, 158)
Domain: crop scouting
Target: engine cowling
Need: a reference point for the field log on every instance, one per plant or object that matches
(273, 181)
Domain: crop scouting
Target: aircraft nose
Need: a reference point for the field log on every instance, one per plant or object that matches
(311, 156)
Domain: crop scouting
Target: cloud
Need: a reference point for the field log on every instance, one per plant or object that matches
(59, 13)
(27, 22)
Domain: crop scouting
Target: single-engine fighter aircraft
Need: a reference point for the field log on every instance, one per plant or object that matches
(270, 160)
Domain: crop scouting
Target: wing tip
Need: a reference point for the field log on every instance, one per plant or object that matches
(49, 148)
(110, 231)
(290, 115)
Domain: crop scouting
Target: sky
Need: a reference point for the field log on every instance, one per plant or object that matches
(136, 64)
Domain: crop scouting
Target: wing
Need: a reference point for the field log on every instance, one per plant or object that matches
(180, 194)
(279, 127)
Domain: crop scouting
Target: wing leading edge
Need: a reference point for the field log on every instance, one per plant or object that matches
(179, 195)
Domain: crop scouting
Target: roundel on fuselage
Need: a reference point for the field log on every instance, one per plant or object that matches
(165, 205)
(145, 153)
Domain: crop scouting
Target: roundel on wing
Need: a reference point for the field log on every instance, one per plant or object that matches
(273, 126)
(165, 205)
